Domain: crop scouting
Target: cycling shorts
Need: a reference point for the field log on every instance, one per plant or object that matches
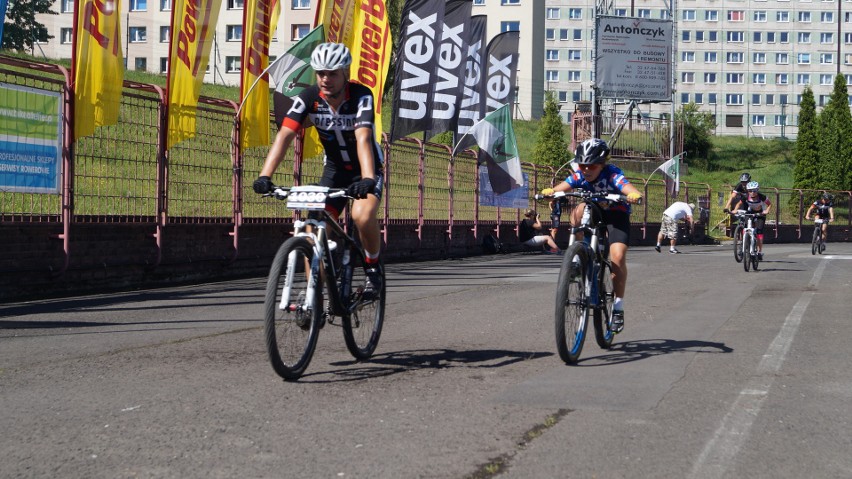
(617, 226)
(333, 178)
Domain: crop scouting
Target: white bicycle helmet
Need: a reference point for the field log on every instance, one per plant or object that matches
(330, 56)
(752, 186)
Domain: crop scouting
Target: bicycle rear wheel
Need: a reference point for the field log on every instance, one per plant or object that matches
(603, 313)
(755, 260)
(362, 327)
(738, 243)
(572, 311)
(815, 241)
(292, 329)
(747, 252)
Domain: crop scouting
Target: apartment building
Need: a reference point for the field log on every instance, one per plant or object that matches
(747, 62)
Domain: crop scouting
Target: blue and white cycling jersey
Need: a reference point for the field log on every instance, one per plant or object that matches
(611, 180)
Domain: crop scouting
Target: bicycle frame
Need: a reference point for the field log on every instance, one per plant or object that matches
(748, 231)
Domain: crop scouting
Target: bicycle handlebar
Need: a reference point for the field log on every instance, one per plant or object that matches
(282, 192)
(587, 195)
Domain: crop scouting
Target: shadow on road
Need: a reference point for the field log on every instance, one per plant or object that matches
(637, 350)
(403, 361)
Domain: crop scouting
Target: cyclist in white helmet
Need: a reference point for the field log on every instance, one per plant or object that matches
(343, 113)
(756, 202)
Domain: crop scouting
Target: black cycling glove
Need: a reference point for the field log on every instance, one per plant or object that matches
(360, 189)
(262, 185)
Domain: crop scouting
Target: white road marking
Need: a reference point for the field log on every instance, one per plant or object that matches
(726, 442)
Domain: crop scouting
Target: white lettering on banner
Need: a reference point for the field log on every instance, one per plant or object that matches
(449, 59)
(418, 49)
(470, 93)
(499, 84)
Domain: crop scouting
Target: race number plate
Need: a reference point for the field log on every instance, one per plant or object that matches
(309, 197)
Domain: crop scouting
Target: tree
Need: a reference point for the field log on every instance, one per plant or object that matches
(806, 172)
(697, 127)
(835, 139)
(551, 147)
(23, 31)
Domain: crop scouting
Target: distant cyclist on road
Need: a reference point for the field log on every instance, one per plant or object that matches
(343, 113)
(739, 192)
(596, 175)
(756, 202)
(824, 210)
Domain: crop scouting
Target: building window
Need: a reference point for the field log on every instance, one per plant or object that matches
(758, 120)
(760, 16)
(165, 34)
(234, 33)
(575, 96)
(734, 57)
(826, 38)
(759, 58)
(233, 64)
(138, 5)
(552, 76)
(782, 79)
(699, 98)
(823, 99)
(735, 36)
(770, 99)
(803, 58)
(826, 58)
(550, 34)
(574, 76)
(553, 14)
(574, 55)
(847, 58)
(803, 79)
(684, 98)
(664, 14)
(479, 2)
(699, 35)
(805, 17)
(709, 78)
(782, 99)
(67, 6)
(510, 27)
(563, 97)
(685, 35)
(734, 78)
(687, 77)
(687, 57)
(736, 15)
(804, 37)
(826, 17)
(711, 57)
(780, 120)
(235, 4)
(782, 58)
(620, 12)
(301, 4)
(782, 16)
(575, 13)
(711, 98)
(165, 5)
(578, 34)
(552, 55)
(299, 31)
(734, 99)
(759, 78)
(784, 37)
(688, 15)
(825, 79)
(711, 15)
(734, 121)
(138, 34)
(164, 64)
(757, 37)
(770, 37)
(755, 99)
(563, 34)
(644, 13)
(140, 64)
(65, 36)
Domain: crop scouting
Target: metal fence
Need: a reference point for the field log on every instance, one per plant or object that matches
(124, 174)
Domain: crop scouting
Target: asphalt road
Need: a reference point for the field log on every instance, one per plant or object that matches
(719, 373)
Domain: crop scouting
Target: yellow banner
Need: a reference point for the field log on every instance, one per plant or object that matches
(260, 21)
(364, 27)
(99, 66)
(193, 26)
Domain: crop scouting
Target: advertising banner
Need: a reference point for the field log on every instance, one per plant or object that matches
(452, 59)
(517, 198)
(260, 20)
(30, 140)
(470, 111)
(498, 84)
(634, 58)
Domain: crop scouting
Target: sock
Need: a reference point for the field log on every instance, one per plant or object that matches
(658, 244)
(618, 305)
(372, 258)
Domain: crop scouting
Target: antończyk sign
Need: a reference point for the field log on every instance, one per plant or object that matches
(634, 58)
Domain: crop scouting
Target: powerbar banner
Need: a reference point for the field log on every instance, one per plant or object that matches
(416, 67)
(452, 60)
(260, 19)
(634, 58)
(98, 65)
(470, 102)
(193, 27)
(30, 140)
(501, 71)
(364, 27)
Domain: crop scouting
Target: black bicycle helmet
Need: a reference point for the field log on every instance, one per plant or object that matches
(745, 178)
(827, 196)
(593, 151)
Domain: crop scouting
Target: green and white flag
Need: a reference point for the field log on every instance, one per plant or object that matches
(291, 72)
(671, 169)
(498, 148)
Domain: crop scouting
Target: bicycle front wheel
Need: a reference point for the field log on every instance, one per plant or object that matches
(747, 252)
(291, 324)
(572, 311)
(603, 313)
(815, 241)
(738, 243)
(362, 327)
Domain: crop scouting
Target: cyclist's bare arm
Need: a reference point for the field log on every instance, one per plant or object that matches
(731, 200)
(808, 214)
(364, 137)
(276, 153)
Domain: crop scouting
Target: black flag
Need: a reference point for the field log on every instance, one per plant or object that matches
(452, 59)
(498, 84)
(415, 80)
(470, 109)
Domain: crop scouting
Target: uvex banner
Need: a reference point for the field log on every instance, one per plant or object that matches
(98, 65)
(193, 26)
(452, 59)
(498, 83)
(416, 66)
(260, 19)
(469, 110)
